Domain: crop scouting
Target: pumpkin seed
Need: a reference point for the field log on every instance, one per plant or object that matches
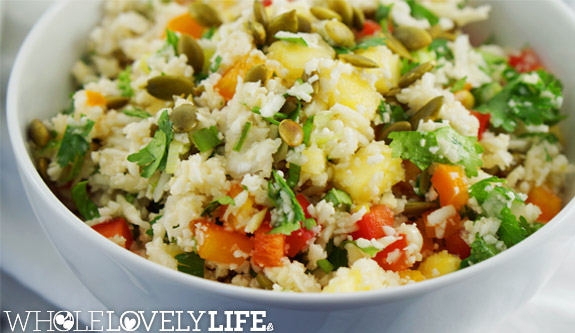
(304, 24)
(399, 126)
(264, 282)
(184, 118)
(205, 14)
(189, 46)
(466, 98)
(258, 32)
(340, 34)
(358, 18)
(116, 102)
(344, 9)
(391, 92)
(415, 74)
(412, 38)
(323, 13)
(166, 86)
(427, 112)
(291, 132)
(39, 133)
(289, 106)
(358, 60)
(257, 73)
(284, 22)
(436, 32)
(43, 167)
(260, 13)
(396, 46)
(199, 90)
(416, 208)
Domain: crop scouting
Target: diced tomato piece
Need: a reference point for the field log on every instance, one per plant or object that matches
(370, 28)
(483, 122)
(454, 244)
(428, 246)
(185, 24)
(546, 200)
(394, 257)
(452, 226)
(221, 245)
(115, 227)
(299, 239)
(267, 3)
(372, 223)
(94, 98)
(451, 184)
(525, 61)
(269, 248)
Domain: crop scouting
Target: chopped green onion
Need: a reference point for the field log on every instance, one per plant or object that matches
(214, 67)
(338, 198)
(212, 206)
(138, 113)
(209, 33)
(243, 136)
(325, 265)
(307, 128)
(309, 223)
(206, 139)
(293, 175)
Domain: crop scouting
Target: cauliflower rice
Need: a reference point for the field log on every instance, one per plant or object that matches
(306, 146)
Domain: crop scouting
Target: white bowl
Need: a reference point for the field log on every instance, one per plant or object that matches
(474, 298)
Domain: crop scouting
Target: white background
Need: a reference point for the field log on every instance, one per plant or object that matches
(34, 277)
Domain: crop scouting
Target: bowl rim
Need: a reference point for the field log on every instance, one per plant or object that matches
(28, 172)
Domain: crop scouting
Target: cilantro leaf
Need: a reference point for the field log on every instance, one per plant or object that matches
(172, 40)
(287, 214)
(439, 46)
(212, 206)
(420, 12)
(418, 147)
(395, 112)
(124, 82)
(150, 232)
(480, 251)
(190, 263)
(73, 148)
(459, 84)
(82, 200)
(138, 113)
(338, 198)
(511, 231)
(206, 139)
(382, 12)
(154, 155)
(549, 137)
(336, 255)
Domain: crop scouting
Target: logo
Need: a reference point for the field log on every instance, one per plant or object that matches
(64, 321)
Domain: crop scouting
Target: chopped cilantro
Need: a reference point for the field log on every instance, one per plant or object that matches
(150, 232)
(382, 12)
(131, 197)
(154, 155)
(480, 251)
(309, 223)
(209, 33)
(418, 147)
(337, 256)
(287, 214)
(74, 147)
(549, 137)
(396, 113)
(212, 206)
(70, 108)
(82, 200)
(439, 46)
(243, 136)
(190, 263)
(407, 65)
(206, 139)
(420, 12)
(339, 198)
(138, 113)
(217, 62)
(459, 84)
(124, 82)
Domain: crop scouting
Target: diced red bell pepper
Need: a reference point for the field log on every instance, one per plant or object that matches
(372, 223)
(454, 244)
(394, 257)
(115, 227)
(269, 249)
(299, 239)
(525, 61)
(452, 226)
(267, 3)
(483, 122)
(370, 28)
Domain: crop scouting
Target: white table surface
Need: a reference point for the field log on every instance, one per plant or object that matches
(34, 276)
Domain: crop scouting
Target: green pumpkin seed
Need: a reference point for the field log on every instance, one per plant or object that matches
(358, 18)
(199, 90)
(344, 9)
(358, 60)
(396, 47)
(391, 92)
(257, 73)
(412, 38)
(205, 14)
(291, 132)
(260, 13)
(39, 133)
(399, 126)
(264, 282)
(43, 167)
(184, 118)
(289, 106)
(303, 24)
(258, 32)
(284, 22)
(415, 74)
(340, 34)
(416, 208)
(427, 112)
(436, 32)
(189, 46)
(116, 102)
(322, 13)
(166, 86)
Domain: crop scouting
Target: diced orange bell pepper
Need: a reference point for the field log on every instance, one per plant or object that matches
(243, 214)
(372, 223)
(226, 86)
(269, 248)
(94, 98)
(218, 244)
(546, 200)
(185, 24)
(115, 227)
(451, 184)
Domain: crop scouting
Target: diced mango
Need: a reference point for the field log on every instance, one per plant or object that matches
(294, 56)
(354, 92)
(315, 161)
(369, 173)
(409, 275)
(389, 69)
(439, 264)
